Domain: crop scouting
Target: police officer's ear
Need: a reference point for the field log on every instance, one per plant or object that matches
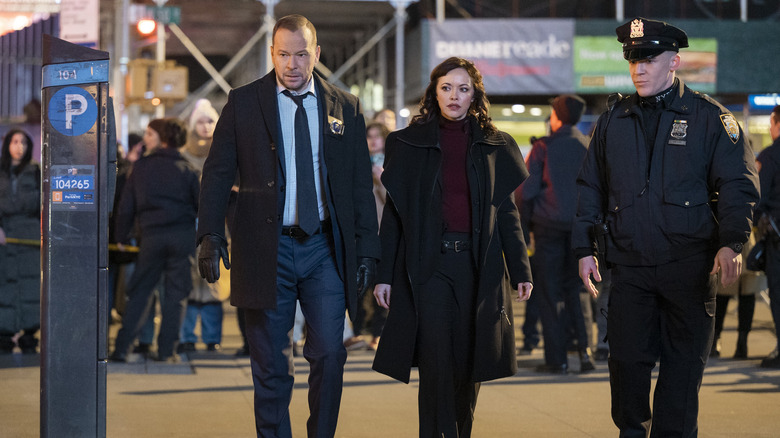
(675, 61)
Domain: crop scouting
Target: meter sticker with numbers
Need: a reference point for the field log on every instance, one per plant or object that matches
(73, 187)
(72, 111)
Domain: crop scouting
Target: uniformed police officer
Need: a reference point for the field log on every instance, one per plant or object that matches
(656, 161)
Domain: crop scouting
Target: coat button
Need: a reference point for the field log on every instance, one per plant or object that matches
(687, 203)
(616, 208)
(273, 146)
(270, 183)
(269, 220)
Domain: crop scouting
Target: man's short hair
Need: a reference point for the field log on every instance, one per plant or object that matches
(294, 23)
(568, 108)
(776, 114)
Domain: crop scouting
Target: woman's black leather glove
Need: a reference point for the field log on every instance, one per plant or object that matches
(366, 271)
(212, 247)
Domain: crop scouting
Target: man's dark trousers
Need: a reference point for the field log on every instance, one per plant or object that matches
(559, 297)
(306, 272)
(162, 255)
(661, 312)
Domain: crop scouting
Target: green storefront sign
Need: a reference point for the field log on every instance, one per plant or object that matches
(599, 66)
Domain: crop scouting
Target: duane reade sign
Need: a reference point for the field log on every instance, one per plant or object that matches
(514, 56)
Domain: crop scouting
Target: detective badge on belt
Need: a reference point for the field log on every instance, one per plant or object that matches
(336, 126)
(679, 132)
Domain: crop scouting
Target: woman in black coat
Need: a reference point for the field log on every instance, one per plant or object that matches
(161, 196)
(450, 230)
(20, 218)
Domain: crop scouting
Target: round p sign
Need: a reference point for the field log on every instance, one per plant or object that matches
(72, 111)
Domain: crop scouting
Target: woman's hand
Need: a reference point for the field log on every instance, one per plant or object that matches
(524, 291)
(382, 295)
(2, 237)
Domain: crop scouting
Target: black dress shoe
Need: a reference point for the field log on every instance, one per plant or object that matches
(553, 369)
(213, 347)
(243, 351)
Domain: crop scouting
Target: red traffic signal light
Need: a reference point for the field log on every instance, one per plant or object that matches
(146, 26)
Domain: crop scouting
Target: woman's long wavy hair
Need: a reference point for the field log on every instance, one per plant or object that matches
(480, 107)
(5, 156)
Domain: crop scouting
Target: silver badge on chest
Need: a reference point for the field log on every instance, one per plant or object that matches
(679, 132)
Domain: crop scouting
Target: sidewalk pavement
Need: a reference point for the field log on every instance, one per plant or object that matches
(210, 395)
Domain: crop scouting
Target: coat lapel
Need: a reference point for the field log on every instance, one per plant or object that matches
(269, 112)
(331, 118)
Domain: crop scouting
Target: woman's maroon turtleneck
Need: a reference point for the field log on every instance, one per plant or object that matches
(454, 138)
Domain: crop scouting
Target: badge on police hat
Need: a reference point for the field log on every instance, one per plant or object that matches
(679, 132)
(637, 29)
(732, 128)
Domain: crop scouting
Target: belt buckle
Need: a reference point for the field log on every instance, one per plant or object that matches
(295, 232)
(298, 234)
(456, 244)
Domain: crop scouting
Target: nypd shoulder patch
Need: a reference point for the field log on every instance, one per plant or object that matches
(731, 126)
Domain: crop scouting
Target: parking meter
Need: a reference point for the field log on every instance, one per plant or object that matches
(79, 160)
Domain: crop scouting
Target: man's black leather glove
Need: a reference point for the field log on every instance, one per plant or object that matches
(212, 247)
(366, 271)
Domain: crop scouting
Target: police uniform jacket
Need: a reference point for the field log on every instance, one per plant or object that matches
(658, 206)
(411, 233)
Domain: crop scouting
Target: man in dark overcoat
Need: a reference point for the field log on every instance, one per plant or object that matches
(278, 258)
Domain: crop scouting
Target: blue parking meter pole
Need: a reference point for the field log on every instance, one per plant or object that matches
(79, 167)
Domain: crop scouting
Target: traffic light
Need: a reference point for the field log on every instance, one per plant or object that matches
(146, 26)
(143, 27)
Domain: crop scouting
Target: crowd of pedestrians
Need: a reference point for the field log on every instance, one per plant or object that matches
(641, 228)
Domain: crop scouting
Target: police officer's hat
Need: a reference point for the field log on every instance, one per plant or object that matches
(643, 38)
